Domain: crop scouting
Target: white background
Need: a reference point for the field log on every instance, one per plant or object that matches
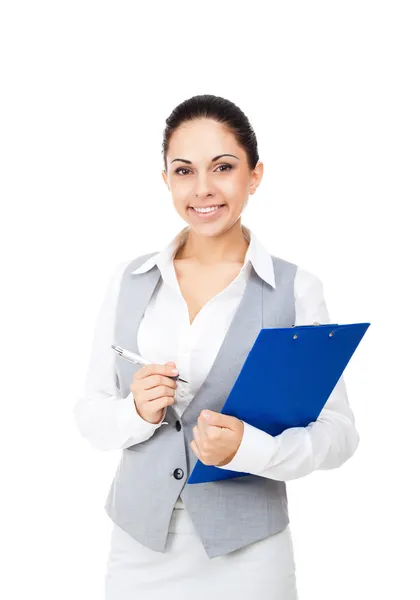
(332, 90)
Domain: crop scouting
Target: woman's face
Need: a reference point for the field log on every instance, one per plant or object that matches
(195, 179)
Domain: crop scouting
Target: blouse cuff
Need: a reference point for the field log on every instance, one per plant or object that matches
(254, 453)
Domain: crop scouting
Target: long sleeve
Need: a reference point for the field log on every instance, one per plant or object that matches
(325, 443)
(102, 416)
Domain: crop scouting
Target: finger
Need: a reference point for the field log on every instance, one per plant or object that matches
(155, 369)
(195, 449)
(159, 391)
(197, 437)
(155, 380)
(220, 420)
(202, 429)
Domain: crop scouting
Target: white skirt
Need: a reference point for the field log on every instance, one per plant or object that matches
(264, 569)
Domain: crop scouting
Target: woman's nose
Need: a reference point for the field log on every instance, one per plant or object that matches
(203, 186)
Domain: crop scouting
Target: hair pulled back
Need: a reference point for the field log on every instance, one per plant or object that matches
(219, 109)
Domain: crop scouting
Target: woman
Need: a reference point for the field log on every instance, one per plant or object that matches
(196, 305)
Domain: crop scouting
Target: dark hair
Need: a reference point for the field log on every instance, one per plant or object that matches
(219, 109)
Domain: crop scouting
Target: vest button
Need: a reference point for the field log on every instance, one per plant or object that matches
(178, 426)
(178, 473)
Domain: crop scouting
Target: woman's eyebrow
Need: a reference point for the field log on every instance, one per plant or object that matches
(213, 159)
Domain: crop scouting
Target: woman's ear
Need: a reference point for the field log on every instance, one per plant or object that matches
(256, 177)
(165, 179)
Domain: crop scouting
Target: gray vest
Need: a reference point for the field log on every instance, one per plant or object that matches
(228, 514)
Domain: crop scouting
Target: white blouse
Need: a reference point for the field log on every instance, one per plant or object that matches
(165, 334)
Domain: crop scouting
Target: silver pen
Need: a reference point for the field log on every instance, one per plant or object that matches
(139, 360)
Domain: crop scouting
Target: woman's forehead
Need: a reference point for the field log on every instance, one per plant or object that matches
(198, 141)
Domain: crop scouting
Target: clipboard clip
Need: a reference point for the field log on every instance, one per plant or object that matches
(316, 323)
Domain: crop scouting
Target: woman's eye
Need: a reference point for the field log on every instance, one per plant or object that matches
(225, 165)
(229, 167)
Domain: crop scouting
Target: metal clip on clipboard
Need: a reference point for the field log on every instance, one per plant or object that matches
(317, 324)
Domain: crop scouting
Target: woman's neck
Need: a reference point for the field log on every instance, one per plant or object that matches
(229, 247)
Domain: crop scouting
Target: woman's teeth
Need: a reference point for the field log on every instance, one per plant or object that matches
(206, 210)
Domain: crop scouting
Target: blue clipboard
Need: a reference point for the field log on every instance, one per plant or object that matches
(286, 380)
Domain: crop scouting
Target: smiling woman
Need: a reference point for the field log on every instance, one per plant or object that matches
(198, 303)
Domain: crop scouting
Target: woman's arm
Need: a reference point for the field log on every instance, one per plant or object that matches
(324, 444)
(102, 416)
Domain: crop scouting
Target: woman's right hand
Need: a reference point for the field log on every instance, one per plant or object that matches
(153, 390)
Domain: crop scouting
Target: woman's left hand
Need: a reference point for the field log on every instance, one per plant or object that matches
(216, 438)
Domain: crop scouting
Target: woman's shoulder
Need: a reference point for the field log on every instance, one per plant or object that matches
(307, 283)
(304, 278)
(133, 263)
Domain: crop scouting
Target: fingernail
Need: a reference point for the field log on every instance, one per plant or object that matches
(175, 371)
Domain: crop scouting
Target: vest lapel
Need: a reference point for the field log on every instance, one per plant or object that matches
(239, 338)
(133, 300)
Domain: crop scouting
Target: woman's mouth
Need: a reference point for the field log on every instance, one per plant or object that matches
(209, 213)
